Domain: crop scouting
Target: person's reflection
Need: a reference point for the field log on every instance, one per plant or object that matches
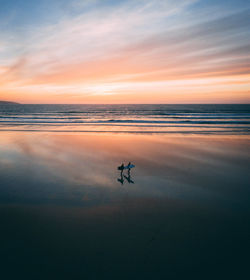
(121, 179)
(128, 178)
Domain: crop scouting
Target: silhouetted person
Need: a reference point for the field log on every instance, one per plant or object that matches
(128, 177)
(121, 167)
(129, 166)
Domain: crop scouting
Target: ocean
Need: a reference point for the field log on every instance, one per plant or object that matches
(197, 119)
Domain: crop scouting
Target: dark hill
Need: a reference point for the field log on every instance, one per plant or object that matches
(8, 103)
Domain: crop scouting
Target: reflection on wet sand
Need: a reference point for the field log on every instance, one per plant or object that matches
(128, 178)
(80, 168)
(61, 194)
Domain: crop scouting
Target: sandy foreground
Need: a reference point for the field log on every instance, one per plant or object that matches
(66, 211)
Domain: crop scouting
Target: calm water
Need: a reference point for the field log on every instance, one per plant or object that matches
(183, 212)
(228, 119)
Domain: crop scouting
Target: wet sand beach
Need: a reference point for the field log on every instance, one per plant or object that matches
(68, 213)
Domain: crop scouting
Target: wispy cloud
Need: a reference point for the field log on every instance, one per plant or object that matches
(113, 49)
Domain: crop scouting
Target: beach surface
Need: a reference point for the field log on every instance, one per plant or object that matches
(67, 213)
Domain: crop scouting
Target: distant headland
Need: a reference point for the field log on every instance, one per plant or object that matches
(8, 103)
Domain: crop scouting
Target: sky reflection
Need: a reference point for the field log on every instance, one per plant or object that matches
(76, 169)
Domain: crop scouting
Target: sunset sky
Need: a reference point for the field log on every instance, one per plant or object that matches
(113, 51)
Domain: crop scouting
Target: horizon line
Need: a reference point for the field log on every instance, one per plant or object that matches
(19, 103)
